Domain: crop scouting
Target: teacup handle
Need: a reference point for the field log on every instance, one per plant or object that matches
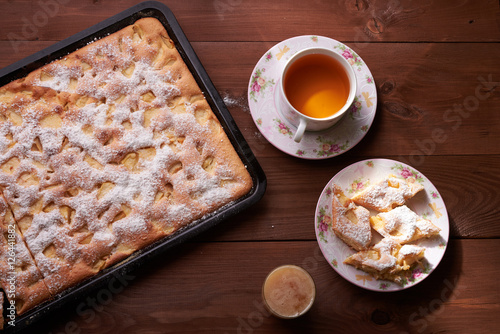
(300, 130)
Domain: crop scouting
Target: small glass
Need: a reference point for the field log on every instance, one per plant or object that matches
(288, 291)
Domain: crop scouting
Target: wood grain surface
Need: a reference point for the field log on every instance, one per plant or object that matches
(436, 68)
(186, 292)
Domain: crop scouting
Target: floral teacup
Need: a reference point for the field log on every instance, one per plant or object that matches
(301, 121)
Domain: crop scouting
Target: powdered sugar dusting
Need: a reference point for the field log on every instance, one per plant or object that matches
(108, 150)
(404, 225)
(355, 233)
(413, 250)
(384, 262)
(384, 195)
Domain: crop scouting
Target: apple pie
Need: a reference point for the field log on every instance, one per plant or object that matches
(350, 222)
(403, 225)
(104, 152)
(387, 194)
(387, 260)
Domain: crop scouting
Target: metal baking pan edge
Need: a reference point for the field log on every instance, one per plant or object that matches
(158, 10)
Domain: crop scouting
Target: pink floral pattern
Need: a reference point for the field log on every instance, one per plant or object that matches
(329, 147)
(282, 127)
(358, 185)
(434, 194)
(324, 222)
(357, 177)
(409, 174)
(259, 84)
(351, 56)
(356, 107)
(263, 98)
(418, 274)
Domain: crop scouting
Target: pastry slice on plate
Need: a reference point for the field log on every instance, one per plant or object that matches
(387, 194)
(350, 222)
(403, 225)
(387, 260)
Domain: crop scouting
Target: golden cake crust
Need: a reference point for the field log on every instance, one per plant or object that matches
(108, 150)
(350, 223)
(387, 260)
(393, 257)
(387, 194)
(21, 279)
(403, 225)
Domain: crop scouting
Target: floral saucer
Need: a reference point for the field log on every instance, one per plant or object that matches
(427, 204)
(263, 102)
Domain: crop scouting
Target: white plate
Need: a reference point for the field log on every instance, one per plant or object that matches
(263, 97)
(427, 203)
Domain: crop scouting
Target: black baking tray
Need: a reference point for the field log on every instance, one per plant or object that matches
(163, 14)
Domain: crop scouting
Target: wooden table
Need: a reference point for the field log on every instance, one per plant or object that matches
(435, 65)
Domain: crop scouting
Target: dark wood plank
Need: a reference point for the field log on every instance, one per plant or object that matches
(440, 93)
(430, 61)
(11, 53)
(238, 20)
(423, 90)
(215, 288)
(468, 186)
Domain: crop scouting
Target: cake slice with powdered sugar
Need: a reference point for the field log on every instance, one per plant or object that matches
(387, 260)
(403, 225)
(387, 194)
(350, 223)
(20, 278)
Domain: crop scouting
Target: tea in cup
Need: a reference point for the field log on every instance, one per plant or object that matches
(317, 87)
